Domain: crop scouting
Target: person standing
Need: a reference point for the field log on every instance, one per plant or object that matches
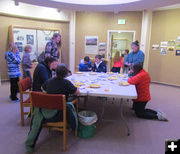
(136, 56)
(118, 63)
(126, 67)
(26, 62)
(52, 48)
(13, 60)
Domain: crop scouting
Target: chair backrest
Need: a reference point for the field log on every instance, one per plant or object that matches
(48, 101)
(25, 84)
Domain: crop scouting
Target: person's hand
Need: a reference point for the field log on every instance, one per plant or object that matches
(89, 69)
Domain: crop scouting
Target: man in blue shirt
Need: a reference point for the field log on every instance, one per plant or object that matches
(136, 56)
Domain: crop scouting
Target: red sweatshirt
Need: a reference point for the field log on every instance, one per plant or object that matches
(119, 63)
(142, 83)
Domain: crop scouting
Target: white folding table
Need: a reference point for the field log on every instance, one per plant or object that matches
(108, 88)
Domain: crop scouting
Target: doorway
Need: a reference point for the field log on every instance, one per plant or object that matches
(118, 40)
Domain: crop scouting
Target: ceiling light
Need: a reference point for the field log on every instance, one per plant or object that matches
(96, 2)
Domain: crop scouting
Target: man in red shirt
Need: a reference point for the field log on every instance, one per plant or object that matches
(141, 80)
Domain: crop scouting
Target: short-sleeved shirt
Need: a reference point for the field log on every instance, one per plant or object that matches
(59, 86)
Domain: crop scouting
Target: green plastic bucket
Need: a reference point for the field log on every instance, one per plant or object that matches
(86, 131)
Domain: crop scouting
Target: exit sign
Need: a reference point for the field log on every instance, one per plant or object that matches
(121, 21)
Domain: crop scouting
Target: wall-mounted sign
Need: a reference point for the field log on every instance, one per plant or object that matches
(121, 21)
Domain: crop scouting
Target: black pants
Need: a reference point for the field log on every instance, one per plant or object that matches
(14, 88)
(141, 112)
(116, 69)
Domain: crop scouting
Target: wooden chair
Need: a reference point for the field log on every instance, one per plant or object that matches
(56, 102)
(24, 88)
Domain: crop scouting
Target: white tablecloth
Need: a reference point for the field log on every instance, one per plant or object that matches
(108, 88)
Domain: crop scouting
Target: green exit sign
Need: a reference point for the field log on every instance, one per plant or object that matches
(121, 21)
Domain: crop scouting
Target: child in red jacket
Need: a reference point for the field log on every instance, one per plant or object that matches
(141, 80)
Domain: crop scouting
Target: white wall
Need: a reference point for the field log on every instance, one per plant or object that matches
(27, 10)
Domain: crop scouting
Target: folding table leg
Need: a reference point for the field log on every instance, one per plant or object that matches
(122, 117)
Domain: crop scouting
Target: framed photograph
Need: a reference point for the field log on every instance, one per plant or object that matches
(19, 46)
(30, 39)
(155, 47)
(163, 51)
(177, 52)
(91, 44)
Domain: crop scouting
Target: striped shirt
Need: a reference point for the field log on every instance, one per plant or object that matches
(13, 61)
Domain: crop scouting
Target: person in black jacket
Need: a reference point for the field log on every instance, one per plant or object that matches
(99, 65)
(43, 72)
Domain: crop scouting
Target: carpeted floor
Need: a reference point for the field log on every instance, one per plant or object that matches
(147, 136)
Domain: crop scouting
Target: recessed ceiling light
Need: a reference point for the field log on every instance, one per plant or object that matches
(96, 2)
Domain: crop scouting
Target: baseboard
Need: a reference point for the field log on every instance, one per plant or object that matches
(167, 84)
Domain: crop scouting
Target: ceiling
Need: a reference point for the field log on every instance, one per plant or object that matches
(108, 5)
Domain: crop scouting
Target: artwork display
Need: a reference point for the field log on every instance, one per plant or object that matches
(171, 42)
(30, 39)
(155, 47)
(23, 37)
(102, 49)
(164, 44)
(170, 48)
(177, 52)
(163, 51)
(19, 46)
(91, 44)
(36, 38)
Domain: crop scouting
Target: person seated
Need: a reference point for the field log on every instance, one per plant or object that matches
(43, 72)
(56, 85)
(99, 65)
(141, 80)
(85, 65)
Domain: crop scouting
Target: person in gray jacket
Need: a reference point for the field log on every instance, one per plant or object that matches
(26, 62)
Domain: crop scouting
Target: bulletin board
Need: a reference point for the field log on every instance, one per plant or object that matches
(164, 62)
(36, 37)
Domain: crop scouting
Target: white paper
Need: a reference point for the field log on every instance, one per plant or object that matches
(91, 44)
(164, 44)
(155, 47)
(163, 51)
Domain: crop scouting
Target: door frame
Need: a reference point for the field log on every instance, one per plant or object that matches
(109, 43)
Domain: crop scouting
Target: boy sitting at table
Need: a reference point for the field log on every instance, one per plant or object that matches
(85, 65)
(141, 80)
(99, 65)
(56, 85)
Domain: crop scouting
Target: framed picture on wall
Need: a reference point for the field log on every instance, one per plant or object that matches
(177, 52)
(36, 37)
(91, 44)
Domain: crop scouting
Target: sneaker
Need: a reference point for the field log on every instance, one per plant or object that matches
(160, 112)
(161, 117)
(15, 101)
